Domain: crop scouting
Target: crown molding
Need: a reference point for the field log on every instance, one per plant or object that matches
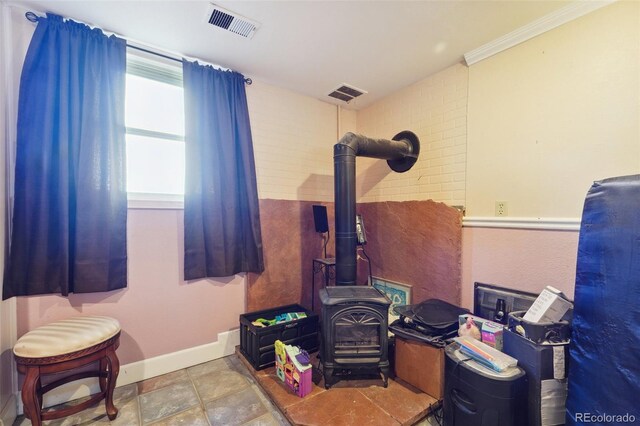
(540, 223)
(548, 22)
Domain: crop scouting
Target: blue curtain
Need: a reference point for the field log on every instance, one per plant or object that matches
(221, 213)
(70, 208)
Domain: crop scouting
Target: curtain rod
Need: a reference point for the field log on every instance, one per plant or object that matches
(34, 18)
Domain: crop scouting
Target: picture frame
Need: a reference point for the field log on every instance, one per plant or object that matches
(398, 293)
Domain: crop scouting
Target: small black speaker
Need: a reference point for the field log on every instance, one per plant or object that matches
(320, 218)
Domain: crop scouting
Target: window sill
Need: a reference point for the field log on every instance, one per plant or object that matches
(139, 201)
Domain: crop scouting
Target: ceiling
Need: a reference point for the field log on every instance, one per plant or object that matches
(311, 47)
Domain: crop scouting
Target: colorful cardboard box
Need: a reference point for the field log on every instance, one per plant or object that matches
(490, 331)
(291, 371)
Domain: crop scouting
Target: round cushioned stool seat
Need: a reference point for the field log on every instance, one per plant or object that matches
(62, 347)
(66, 336)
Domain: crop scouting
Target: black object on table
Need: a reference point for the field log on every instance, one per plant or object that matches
(326, 266)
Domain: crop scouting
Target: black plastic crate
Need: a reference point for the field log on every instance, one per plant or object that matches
(257, 343)
(539, 332)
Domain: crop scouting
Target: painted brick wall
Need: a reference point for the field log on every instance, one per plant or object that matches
(436, 110)
(293, 136)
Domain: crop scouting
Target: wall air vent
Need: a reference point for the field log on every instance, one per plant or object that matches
(230, 21)
(346, 93)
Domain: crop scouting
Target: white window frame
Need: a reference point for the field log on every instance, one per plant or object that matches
(166, 71)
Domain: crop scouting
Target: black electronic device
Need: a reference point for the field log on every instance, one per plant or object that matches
(360, 232)
(475, 395)
(501, 309)
(495, 303)
(320, 218)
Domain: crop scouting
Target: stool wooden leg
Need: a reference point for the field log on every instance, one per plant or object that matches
(112, 376)
(30, 397)
(104, 364)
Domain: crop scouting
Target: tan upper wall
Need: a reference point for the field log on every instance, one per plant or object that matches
(293, 138)
(348, 122)
(435, 109)
(549, 116)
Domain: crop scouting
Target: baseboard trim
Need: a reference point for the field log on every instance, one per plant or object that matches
(148, 368)
(548, 22)
(9, 411)
(540, 223)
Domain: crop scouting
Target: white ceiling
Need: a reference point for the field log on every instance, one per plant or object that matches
(311, 47)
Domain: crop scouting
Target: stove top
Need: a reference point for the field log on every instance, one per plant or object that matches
(344, 294)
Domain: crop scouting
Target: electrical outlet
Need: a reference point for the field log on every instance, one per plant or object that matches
(501, 208)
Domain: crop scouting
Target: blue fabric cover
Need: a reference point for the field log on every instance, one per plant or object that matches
(70, 208)
(604, 368)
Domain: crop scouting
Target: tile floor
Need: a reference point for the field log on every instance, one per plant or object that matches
(220, 392)
(224, 392)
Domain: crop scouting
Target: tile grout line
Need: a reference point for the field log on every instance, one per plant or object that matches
(204, 413)
(257, 387)
(254, 380)
(195, 388)
(173, 414)
(248, 386)
(139, 405)
(284, 412)
(376, 404)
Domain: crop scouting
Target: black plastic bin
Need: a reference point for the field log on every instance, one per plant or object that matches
(474, 395)
(546, 367)
(540, 332)
(256, 343)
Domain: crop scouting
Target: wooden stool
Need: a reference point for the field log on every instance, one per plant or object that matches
(63, 346)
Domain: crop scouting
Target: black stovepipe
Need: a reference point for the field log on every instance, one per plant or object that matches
(401, 154)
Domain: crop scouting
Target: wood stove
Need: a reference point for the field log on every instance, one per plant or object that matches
(355, 318)
(354, 332)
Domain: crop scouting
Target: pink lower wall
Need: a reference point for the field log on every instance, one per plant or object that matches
(158, 311)
(520, 259)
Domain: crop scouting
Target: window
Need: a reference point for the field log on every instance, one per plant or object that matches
(154, 119)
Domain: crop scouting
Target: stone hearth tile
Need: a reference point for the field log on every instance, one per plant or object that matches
(85, 417)
(338, 407)
(127, 414)
(214, 385)
(235, 409)
(159, 382)
(273, 409)
(220, 364)
(193, 417)
(281, 394)
(405, 405)
(244, 361)
(124, 394)
(167, 401)
(266, 420)
(240, 367)
(361, 381)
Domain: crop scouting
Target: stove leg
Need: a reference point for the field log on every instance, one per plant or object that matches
(328, 377)
(385, 375)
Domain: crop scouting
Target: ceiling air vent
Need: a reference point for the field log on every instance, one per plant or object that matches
(346, 92)
(230, 21)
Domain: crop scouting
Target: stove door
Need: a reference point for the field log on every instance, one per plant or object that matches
(357, 332)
